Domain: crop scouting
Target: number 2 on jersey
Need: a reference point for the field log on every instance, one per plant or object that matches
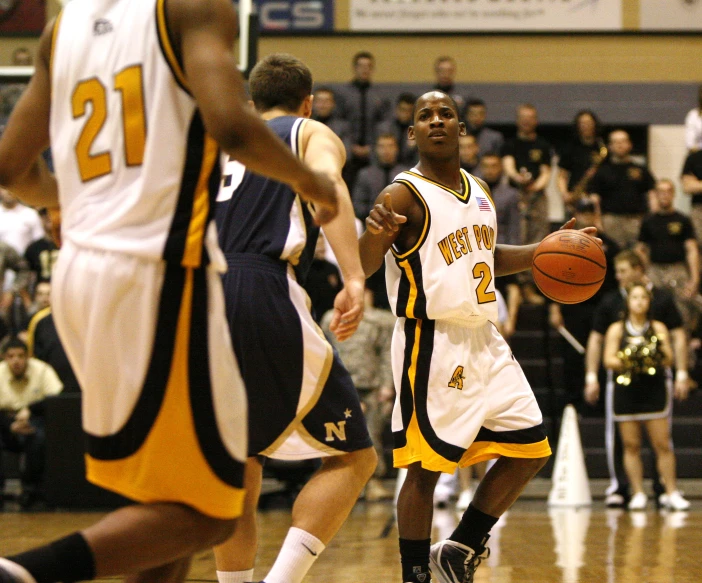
(482, 272)
(129, 83)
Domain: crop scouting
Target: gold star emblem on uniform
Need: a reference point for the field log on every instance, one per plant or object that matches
(675, 228)
(347, 413)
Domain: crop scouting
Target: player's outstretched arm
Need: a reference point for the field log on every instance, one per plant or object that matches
(22, 169)
(384, 225)
(515, 258)
(205, 31)
(324, 152)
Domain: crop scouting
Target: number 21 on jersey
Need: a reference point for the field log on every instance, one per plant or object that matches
(130, 85)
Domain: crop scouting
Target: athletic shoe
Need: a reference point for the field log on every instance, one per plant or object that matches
(452, 562)
(464, 500)
(615, 500)
(674, 501)
(13, 573)
(638, 501)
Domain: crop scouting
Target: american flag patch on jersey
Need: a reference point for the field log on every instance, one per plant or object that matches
(483, 204)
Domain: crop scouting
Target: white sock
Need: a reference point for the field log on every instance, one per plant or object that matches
(300, 550)
(235, 576)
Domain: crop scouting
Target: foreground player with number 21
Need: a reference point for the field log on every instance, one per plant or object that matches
(461, 396)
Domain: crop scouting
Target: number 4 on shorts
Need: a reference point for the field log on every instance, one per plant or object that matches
(457, 377)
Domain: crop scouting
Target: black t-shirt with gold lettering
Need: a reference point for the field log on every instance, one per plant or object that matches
(665, 236)
(529, 154)
(693, 166)
(623, 188)
(577, 158)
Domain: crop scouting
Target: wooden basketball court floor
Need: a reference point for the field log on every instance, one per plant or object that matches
(532, 544)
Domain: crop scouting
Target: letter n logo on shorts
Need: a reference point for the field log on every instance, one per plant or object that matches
(337, 430)
(457, 377)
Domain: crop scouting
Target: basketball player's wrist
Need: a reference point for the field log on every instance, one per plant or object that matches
(681, 375)
(590, 378)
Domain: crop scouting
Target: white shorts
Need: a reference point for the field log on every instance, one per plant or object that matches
(164, 408)
(462, 398)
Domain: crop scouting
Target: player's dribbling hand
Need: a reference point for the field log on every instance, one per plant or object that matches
(348, 309)
(383, 219)
(321, 190)
(592, 231)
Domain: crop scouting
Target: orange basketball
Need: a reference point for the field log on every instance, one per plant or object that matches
(569, 266)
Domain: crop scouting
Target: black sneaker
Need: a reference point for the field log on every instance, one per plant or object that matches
(452, 562)
(13, 573)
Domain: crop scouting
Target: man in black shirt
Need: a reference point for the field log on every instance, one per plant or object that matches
(489, 141)
(398, 126)
(42, 253)
(692, 185)
(623, 188)
(527, 163)
(445, 70)
(668, 239)
(629, 268)
(324, 110)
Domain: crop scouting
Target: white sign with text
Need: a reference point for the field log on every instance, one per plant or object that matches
(486, 15)
(671, 14)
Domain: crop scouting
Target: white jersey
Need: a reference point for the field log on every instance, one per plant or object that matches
(449, 273)
(137, 173)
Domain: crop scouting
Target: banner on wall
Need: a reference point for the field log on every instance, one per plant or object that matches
(671, 14)
(22, 16)
(486, 15)
(295, 15)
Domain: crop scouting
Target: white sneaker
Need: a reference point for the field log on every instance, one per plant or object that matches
(675, 501)
(464, 500)
(638, 501)
(614, 500)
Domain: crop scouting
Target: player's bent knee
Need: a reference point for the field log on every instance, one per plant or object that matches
(217, 530)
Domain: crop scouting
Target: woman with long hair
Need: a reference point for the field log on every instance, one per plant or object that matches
(638, 355)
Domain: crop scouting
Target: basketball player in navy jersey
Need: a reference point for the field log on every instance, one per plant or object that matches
(302, 403)
(131, 93)
(461, 396)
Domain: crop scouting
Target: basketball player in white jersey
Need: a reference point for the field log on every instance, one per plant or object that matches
(461, 396)
(134, 97)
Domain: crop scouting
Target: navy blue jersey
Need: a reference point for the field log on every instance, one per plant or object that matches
(259, 215)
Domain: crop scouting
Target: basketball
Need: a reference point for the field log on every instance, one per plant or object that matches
(569, 266)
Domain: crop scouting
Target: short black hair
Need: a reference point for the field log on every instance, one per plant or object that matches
(280, 80)
(13, 342)
(406, 98)
(475, 102)
(451, 99)
(363, 55)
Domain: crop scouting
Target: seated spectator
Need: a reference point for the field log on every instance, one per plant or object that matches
(43, 342)
(366, 356)
(469, 151)
(489, 140)
(372, 179)
(19, 224)
(16, 285)
(398, 126)
(693, 125)
(325, 111)
(42, 298)
(24, 384)
(445, 70)
(41, 255)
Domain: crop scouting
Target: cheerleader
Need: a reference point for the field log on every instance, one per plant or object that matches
(638, 356)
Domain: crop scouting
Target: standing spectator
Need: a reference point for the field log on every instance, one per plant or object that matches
(527, 163)
(693, 125)
(366, 355)
(24, 384)
(469, 151)
(580, 158)
(623, 188)
(445, 69)
(381, 172)
(398, 126)
(667, 240)
(19, 224)
(364, 108)
(43, 343)
(638, 354)
(629, 268)
(325, 111)
(692, 185)
(43, 253)
(578, 318)
(489, 141)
